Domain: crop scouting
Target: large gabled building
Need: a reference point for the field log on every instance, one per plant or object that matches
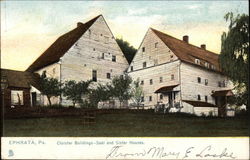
(88, 52)
(179, 75)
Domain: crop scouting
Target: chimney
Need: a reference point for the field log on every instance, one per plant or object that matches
(203, 46)
(79, 24)
(185, 38)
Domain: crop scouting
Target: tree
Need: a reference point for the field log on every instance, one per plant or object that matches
(101, 93)
(128, 50)
(234, 57)
(50, 87)
(120, 88)
(75, 91)
(137, 93)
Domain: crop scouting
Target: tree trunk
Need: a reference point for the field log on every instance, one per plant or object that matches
(49, 100)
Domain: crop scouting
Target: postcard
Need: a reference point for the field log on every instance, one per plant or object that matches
(125, 80)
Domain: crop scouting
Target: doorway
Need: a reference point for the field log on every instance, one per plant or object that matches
(33, 98)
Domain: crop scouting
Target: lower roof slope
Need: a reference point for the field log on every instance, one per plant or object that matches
(20, 79)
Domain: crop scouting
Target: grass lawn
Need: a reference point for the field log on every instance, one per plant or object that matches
(128, 125)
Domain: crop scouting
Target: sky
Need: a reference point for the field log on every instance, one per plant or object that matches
(28, 28)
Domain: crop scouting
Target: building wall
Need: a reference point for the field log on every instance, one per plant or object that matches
(156, 52)
(52, 71)
(165, 71)
(191, 88)
(160, 62)
(86, 55)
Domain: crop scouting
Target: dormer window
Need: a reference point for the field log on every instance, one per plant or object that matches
(197, 61)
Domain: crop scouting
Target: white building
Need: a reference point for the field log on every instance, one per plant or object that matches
(180, 75)
(88, 52)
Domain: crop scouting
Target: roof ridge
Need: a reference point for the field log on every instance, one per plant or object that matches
(181, 41)
(60, 46)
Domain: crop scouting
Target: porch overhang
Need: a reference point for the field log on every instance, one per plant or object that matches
(166, 89)
(199, 103)
(222, 93)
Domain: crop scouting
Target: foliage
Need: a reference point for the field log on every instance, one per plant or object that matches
(101, 93)
(75, 91)
(50, 87)
(137, 93)
(128, 50)
(120, 88)
(234, 57)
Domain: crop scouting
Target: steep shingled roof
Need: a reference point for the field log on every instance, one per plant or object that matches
(20, 79)
(188, 52)
(60, 46)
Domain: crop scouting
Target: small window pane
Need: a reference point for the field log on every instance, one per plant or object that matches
(198, 79)
(16, 97)
(151, 81)
(143, 49)
(94, 75)
(114, 58)
(199, 97)
(108, 75)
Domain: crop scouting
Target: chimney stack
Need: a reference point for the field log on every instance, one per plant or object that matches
(203, 46)
(79, 24)
(185, 38)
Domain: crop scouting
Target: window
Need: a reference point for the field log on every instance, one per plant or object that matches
(108, 75)
(171, 56)
(219, 84)
(198, 79)
(151, 81)
(150, 98)
(156, 45)
(142, 99)
(143, 49)
(207, 64)
(103, 55)
(93, 49)
(161, 96)
(131, 68)
(206, 98)
(197, 61)
(161, 79)
(94, 75)
(199, 97)
(172, 77)
(142, 82)
(206, 82)
(16, 97)
(114, 58)
(144, 64)
(212, 66)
